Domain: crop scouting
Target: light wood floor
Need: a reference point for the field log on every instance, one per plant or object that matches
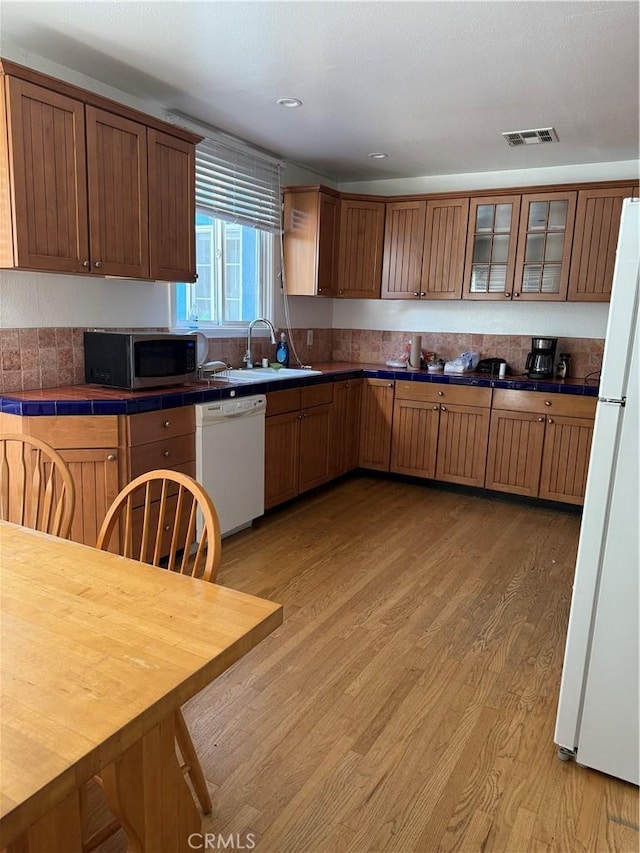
(408, 701)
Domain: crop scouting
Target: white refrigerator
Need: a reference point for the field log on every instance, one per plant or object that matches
(598, 717)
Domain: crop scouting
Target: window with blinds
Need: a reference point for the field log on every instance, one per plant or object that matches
(238, 220)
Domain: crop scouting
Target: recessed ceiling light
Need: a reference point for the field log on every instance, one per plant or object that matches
(377, 155)
(290, 103)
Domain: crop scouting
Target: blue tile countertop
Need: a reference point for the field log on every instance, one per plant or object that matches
(96, 400)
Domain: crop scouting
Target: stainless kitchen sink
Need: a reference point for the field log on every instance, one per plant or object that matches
(267, 374)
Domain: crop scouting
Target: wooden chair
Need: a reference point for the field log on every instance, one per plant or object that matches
(36, 486)
(155, 515)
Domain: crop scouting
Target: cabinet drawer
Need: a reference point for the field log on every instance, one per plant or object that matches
(427, 392)
(81, 431)
(162, 454)
(544, 404)
(316, 395)
(188, 468)
(279, 402)
(155, 426)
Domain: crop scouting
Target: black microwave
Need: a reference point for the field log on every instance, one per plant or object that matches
(139, 360)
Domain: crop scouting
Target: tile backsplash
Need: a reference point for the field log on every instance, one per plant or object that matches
(53, 357)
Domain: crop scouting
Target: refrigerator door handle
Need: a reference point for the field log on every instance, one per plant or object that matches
(622, 401)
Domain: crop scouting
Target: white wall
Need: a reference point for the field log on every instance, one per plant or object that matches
(557, 319)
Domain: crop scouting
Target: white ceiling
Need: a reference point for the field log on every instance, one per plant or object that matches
(433, 84)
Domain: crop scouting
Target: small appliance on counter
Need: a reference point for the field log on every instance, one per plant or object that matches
(563, 367)
(541, 360)
(492, 366)
(464, 363)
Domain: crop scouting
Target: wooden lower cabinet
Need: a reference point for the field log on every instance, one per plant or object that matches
(539, 446)
(414, 439)
(297, 430)
(463, 433)
(105, 452)
(438, 436)
(515, 452)
(376, 414)
(91, 446)
(345, 426)
(281, 453)
(95, 474)
(565, 459)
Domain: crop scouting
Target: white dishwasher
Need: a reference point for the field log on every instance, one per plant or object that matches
(230, 458)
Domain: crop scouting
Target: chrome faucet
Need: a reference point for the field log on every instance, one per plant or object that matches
(247, 356)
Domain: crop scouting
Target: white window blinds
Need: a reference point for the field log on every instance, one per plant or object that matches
(237, 185)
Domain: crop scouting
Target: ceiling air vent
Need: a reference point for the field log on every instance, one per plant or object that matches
(530, 137)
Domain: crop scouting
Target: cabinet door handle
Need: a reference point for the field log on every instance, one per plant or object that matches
(550, 421)
(166, 454)
(415, 293)
(516, 294)
(86, 264)
(167, 527)
(166, 424)
(111, 457)
(436, 407)
(507, 295)
(98, 264)
(443, 408)
(389, 384)
(422, 293)
(540, 420)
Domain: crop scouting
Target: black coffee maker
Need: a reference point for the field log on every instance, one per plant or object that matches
(541, 359)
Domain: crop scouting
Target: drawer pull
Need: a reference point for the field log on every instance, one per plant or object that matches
(440, 393)
(166, 454)
(166, 424)
(547, 402)
(111, 457)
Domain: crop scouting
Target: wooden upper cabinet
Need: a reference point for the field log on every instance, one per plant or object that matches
(403, 245)
(444, 248)
(544, 246)
(360, 248)
(44, 161)
(172, 207)
(91, 186)
(310, 243)
(595, 240)
(118, 195)
(491, 247)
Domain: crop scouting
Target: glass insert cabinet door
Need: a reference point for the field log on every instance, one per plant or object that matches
(491, 247)
(544, 246)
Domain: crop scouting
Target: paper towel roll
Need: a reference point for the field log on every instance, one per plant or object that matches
(416, 350)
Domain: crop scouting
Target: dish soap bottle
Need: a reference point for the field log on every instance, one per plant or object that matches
(282, 351)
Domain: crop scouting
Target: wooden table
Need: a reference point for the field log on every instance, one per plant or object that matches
(97, 654)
